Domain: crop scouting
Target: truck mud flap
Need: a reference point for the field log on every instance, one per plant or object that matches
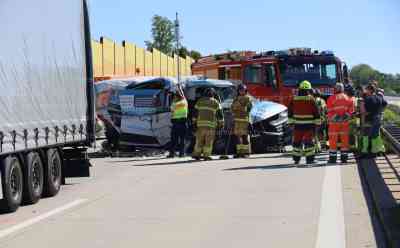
(75, 163)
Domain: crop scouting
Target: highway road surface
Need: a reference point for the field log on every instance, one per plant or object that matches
(263, 201)
(392, 99)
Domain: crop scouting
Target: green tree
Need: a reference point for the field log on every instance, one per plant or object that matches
(362, 74)
(184, 52)
(163, 35)
(195, 55)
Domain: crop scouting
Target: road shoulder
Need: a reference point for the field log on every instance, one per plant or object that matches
(362, 224)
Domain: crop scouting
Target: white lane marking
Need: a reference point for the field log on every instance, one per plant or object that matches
(25, 224)
(331, 228)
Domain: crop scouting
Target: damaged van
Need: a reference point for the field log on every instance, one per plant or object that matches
(143, 116)
(269, 129)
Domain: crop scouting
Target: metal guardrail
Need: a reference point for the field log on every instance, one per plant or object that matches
(391, 133)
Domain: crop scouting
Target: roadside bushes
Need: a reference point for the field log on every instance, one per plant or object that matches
(392, 114)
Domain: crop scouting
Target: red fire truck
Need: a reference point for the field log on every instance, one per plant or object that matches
(275, 75)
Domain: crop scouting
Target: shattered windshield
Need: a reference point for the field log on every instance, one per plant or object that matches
(226, 93)
(317, 74)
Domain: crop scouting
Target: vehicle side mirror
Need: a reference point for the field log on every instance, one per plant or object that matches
(345, 74)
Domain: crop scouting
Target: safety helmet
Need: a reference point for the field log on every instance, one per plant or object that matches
(210, 92)
(339, 87)
(242, 87)
(305, 85)
(317, 93)
(349, 89)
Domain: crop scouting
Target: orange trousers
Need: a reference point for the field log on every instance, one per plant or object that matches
(339, 130)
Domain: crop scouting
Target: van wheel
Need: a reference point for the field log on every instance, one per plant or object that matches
(52, 175)
(33, 179)
(12, 179)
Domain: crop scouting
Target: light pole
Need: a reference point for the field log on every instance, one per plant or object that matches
(177, 39)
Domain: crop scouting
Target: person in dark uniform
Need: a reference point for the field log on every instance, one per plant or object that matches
(374, 104)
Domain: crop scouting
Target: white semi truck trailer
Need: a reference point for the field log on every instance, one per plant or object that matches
(46, 97)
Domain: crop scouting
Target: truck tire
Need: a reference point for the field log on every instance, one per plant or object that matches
(52, 173)
(33, 178)
(12, 183)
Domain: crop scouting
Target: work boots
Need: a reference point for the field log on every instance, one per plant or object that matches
(197, 158)
(344, 157)
(310, 160)
(332, 157)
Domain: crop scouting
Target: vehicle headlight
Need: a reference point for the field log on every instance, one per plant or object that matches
(283, 117)
(284, 114)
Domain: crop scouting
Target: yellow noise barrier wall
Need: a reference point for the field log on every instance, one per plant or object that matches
(126, 59)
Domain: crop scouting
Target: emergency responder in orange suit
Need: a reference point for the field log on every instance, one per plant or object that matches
(340, 109)
(304, 115)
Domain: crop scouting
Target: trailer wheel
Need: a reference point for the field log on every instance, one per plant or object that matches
(12, 179)
(33, 179)
(52, 175)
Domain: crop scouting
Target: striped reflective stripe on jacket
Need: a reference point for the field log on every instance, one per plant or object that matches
(304, 110)
(207, 115)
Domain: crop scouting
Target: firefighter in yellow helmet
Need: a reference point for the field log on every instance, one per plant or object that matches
(241, 108)
(208, 116)
(305, 117)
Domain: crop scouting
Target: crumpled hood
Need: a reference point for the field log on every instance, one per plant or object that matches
(263, 110)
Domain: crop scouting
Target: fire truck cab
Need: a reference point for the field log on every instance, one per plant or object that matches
(275, 75)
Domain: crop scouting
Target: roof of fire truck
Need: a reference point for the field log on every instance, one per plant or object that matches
(294, 55)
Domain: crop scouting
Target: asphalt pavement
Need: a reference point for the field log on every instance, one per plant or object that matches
(263, 201)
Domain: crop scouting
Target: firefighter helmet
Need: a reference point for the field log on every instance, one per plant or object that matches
(339, 87)
(305, 85)
(242, 87)
(210, 92)
(317, 93)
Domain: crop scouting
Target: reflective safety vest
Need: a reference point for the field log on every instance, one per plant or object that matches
(179, 109)
(321, 107)
(241, 108)
(355, 119)
(209, 113)
(340, 106)
(303, 110)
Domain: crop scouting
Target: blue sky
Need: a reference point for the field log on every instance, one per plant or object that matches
(359, 31)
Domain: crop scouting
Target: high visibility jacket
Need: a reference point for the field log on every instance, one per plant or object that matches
(321, 107)
(303, 111)
(355, 119)
(209, 113)
(241, 108)
(179, 109)
(340, 108)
